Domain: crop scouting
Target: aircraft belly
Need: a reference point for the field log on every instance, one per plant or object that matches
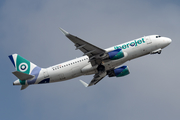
(71, 73)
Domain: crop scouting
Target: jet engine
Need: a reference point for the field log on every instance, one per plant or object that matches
(115, 54)
(119, 72)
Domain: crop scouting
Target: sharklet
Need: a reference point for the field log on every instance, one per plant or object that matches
(64, 32)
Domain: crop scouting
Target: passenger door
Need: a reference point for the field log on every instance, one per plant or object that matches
(148, 40)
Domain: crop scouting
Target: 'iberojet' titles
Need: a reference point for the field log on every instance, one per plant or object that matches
(134, 43)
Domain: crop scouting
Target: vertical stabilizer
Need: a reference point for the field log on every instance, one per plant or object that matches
(26, 71)
(21, 64)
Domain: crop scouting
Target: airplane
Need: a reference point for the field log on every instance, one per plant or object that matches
(97, 61)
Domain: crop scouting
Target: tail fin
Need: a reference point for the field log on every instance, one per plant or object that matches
(21, 64)
(25, 70)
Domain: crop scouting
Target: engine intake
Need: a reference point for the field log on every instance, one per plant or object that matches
(119, 72)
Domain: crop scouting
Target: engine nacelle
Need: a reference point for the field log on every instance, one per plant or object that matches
(119, 72)
(156, 51)
(116, 54)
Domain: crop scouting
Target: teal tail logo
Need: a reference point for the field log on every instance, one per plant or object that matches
(21, 64)
(24, 66)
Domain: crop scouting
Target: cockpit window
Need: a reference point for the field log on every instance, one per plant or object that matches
(158, 36)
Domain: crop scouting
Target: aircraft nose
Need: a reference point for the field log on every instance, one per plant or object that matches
(169, 40)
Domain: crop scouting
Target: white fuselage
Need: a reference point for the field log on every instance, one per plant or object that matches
(82, 66)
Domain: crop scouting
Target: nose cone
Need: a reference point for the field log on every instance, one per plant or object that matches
(16, 82)
(168, 40)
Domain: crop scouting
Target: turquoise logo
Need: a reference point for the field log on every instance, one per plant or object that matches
(132, 44)
(23, 67)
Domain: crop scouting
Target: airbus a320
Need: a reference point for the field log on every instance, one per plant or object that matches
(97, 61)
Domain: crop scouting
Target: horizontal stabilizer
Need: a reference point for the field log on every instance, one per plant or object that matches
(24, 87)
(22, 76)
(84, 83)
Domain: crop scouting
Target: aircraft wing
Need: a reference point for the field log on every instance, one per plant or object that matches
(95, 80)
(88, 49)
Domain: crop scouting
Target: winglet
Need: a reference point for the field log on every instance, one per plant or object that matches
(84, 83)
(64, 32)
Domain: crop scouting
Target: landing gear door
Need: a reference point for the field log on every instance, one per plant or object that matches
(148, 40)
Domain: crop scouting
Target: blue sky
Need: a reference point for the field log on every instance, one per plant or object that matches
(31, 29)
